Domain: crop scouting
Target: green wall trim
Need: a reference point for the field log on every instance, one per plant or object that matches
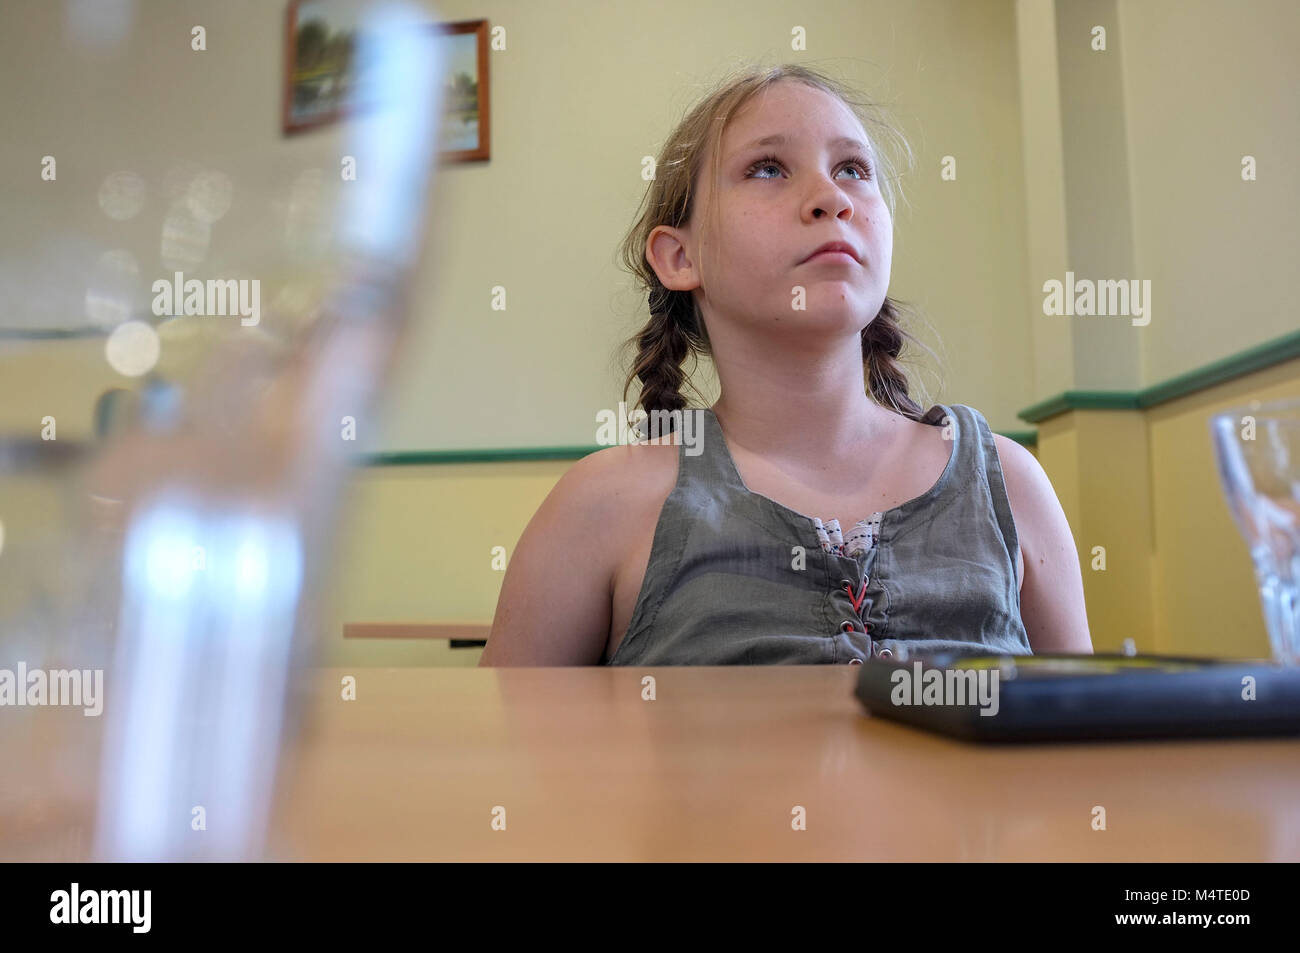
(487, 455)
(1028, 438)
(1258, 358)
(1080, 400)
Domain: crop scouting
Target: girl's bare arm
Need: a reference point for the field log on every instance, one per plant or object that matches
(554, 606)
(1051, 594)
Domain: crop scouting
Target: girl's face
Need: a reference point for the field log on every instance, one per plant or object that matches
(772, 213)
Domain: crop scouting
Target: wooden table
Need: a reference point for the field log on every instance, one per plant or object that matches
(713, 768)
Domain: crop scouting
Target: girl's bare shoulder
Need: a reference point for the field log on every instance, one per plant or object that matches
(633, 475)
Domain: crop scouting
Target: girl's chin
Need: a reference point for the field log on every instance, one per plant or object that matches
(851, 314)
(829, 326)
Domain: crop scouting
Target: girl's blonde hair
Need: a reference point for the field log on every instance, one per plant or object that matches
(676, 328)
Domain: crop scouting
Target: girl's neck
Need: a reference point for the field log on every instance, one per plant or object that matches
(770, 423)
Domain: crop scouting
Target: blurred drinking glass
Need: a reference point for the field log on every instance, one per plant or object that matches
(173, 564)
(1257, 449)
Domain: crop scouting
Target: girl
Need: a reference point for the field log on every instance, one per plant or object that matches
(766, 244)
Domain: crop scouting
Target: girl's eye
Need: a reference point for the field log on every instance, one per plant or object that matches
(863, 166)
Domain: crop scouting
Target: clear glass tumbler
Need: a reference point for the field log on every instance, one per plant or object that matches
(160, 582)
(1257, 450)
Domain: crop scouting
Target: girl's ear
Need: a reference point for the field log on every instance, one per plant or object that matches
(666, 254)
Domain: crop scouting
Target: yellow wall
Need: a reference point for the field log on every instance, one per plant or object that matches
(1207, 83)
(581, 93)
(1101, 468)
(1133, 161)
(418, 547)
(1140, 485)
(1184, 90)
(1125, 162)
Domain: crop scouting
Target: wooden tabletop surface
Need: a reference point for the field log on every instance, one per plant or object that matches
(572, 764)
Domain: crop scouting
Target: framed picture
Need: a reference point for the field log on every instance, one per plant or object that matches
(320, 75)
(466, 112)
(320, 44)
